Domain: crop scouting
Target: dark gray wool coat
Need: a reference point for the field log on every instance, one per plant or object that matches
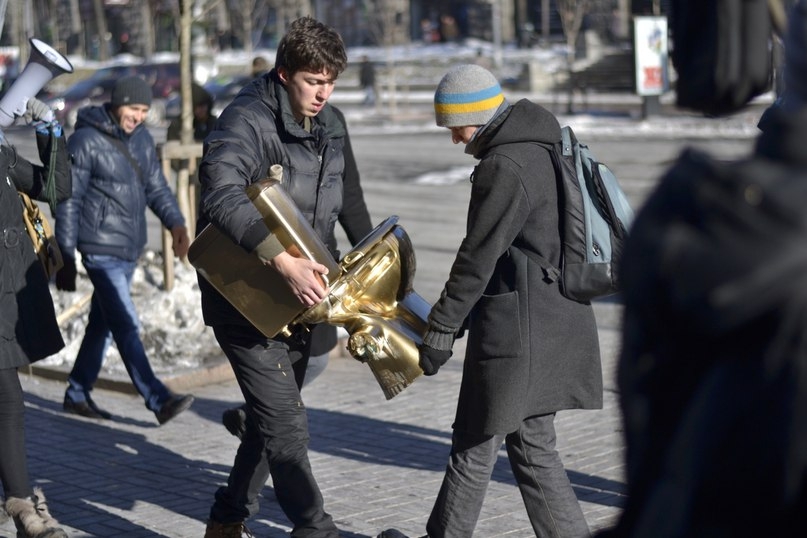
(530, 350)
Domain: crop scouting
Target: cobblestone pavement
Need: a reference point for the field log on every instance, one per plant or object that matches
(379, 462)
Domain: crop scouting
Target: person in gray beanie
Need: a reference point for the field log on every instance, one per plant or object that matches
(116, 176)
(530, 352)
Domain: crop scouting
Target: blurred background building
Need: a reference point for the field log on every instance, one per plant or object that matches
(100, 29)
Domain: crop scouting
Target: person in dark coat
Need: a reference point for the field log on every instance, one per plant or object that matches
(712, 375)
(367, 80)
(531, 352)
(203, 118)
(28, 328)
(116, 177)
(280, 118)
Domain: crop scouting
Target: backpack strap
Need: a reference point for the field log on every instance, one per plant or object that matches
(551, 273)
(125, 151)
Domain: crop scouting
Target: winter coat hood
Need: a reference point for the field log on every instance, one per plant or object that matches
(524, 121)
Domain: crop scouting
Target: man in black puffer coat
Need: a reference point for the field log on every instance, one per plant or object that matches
(280, 118)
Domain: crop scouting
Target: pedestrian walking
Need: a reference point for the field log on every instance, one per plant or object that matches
(27, 317)
(355, 221)
(281, 118)
(116, 176)
(367, 80)
(531, 352)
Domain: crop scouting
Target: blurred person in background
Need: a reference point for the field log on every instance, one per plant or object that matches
(367, 80)
(712, 375)
(203, 118)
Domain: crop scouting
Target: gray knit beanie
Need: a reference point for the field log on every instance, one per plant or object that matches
(131, 90)
(467, 95)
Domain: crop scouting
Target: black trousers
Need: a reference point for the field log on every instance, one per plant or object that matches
(270, 373)
(13, 462)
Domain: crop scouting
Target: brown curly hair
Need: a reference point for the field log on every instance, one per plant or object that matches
(310, 45)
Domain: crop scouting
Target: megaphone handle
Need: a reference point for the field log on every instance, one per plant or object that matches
(20, 110)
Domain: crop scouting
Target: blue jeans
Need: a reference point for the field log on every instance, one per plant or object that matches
(113, 316)
(269, 373)
(551, 504)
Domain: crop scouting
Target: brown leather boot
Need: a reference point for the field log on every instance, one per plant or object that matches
(227, 530)
(32, 518)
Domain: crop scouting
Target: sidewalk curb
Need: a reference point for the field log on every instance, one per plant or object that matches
(179, 383)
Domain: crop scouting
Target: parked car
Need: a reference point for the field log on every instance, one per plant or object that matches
(96, 89)
(222, 89)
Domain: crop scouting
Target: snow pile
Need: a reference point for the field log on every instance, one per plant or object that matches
(173, 332)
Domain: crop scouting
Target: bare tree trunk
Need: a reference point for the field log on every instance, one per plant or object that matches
(186, 134)
(387, 24)
(100, 26)
(149, 41)
(76, 27)
(572, 13)
(248, 13)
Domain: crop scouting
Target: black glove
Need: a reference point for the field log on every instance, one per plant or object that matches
(432, 359)
(66, 276)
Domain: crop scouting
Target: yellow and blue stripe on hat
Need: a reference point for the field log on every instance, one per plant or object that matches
(467, 95)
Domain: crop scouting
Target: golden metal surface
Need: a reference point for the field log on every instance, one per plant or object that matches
(254, 289)
(371, 293)
(374, 301)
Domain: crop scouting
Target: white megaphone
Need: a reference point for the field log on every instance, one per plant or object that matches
(44, 64)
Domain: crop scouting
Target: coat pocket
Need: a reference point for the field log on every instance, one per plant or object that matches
(495, 327)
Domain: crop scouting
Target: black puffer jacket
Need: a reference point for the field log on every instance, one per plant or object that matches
(254, 132)
(28, 329)
(107, 213)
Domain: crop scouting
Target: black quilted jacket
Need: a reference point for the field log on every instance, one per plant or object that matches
(107, 213)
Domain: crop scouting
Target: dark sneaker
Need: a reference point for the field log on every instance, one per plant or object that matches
(394, 533)
(235, 420)
(176, 404)
(86, 408)
(227, 530)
